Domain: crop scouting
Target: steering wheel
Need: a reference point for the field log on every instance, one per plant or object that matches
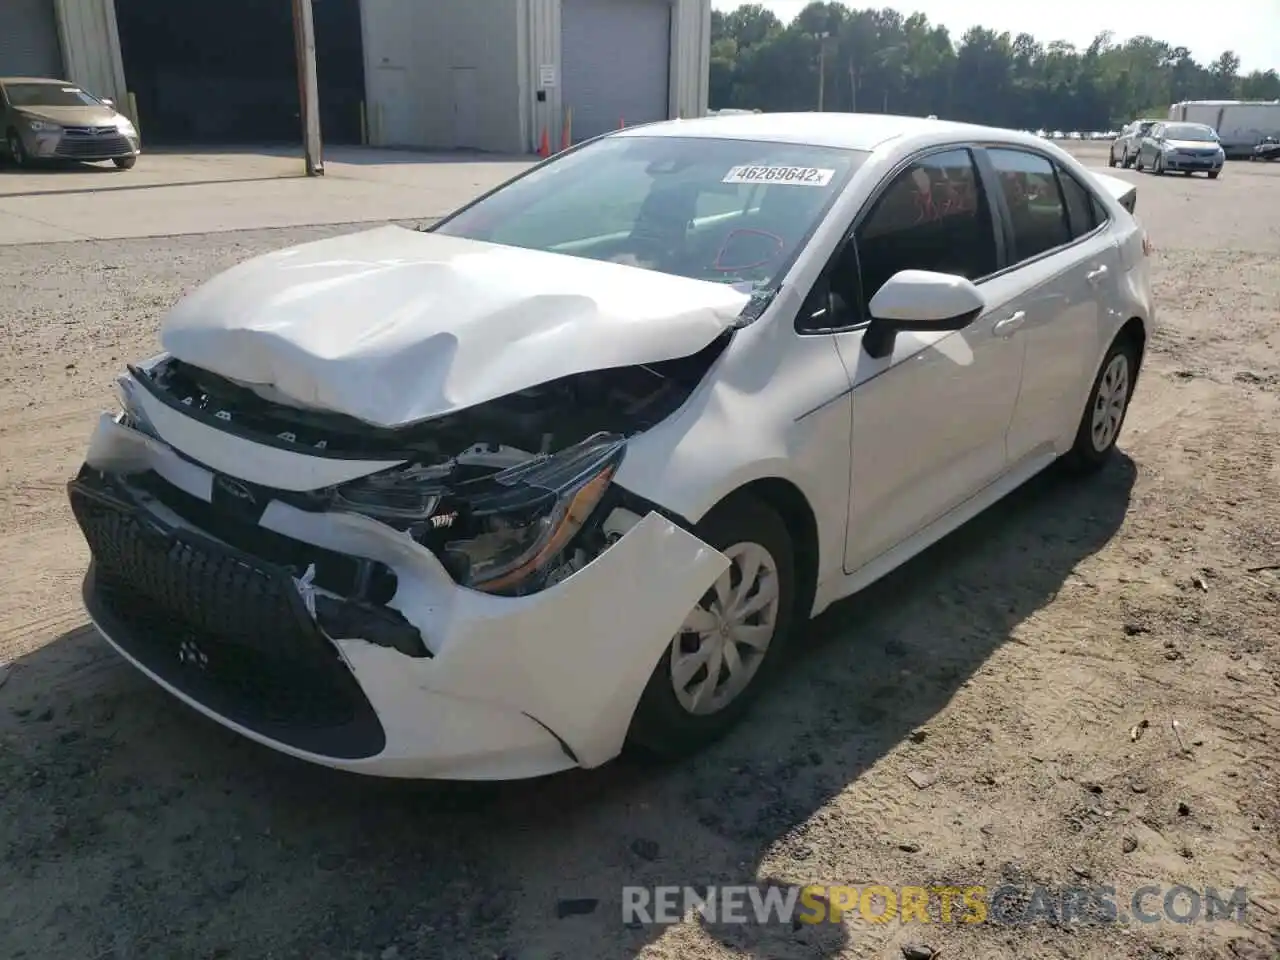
(718, 264)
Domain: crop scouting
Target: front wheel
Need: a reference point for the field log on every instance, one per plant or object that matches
(1111, 158)
(731, 643)
(1213, 174)
(125, 163)
(1105, 412)
(17, 152)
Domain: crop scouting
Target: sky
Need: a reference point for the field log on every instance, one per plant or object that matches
(1249, 27)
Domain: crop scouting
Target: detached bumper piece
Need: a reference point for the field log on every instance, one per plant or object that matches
(224, 627)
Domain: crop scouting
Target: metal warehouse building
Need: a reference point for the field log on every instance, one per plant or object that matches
(468, 74)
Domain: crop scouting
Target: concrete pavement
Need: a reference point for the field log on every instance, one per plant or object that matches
(171, 193)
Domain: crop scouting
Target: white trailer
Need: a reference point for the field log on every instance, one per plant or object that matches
(1241, 124)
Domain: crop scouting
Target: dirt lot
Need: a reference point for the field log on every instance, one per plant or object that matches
(1010, 665)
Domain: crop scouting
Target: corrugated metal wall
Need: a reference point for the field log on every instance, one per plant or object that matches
(690, 58)
(91, 48)
(540, 24)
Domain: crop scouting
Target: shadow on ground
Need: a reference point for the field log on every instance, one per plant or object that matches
(134, 828)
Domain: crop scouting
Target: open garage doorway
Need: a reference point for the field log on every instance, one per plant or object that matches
(226, 72)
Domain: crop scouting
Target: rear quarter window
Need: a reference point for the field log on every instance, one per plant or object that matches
(1085, 212)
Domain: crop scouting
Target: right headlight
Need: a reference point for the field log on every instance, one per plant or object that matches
(44, 126)
(502, 532)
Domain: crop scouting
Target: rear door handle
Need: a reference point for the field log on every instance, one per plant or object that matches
(1009, 325)
(1095, 276)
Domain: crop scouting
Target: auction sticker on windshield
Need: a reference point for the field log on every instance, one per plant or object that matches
(799, 176)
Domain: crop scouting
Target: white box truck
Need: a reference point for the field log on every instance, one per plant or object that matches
(1241, 124)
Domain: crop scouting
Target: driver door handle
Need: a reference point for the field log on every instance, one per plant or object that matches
(1009, 325)
(1095, 276)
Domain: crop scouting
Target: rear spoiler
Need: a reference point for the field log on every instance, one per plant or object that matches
(1122, 190)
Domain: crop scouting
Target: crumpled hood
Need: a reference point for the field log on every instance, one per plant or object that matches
(393, 326)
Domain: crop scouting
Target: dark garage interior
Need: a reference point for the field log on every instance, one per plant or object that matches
(225, 71)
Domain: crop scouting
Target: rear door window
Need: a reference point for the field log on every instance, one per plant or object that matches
(1037, 212)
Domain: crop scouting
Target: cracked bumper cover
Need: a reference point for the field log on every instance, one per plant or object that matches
(513, 687)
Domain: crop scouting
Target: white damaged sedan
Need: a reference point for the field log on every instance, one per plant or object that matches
(572, 468)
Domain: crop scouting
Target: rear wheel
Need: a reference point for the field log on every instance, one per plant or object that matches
(1105, 412)
(1137, 162)
(730, 645)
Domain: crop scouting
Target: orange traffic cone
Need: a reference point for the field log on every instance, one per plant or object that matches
(544, 148)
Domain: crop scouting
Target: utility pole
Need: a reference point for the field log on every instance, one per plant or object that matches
(304, 40)
(822, 68)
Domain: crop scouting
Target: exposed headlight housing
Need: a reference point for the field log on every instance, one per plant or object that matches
(501, 532)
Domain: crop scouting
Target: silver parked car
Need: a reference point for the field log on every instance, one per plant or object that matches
(1181, 147)
(44, 119)
(1124, 149)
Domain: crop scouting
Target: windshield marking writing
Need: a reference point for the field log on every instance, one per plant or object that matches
(796, 176)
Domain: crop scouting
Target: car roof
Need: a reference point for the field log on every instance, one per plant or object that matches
(850, 131)
(44, 80)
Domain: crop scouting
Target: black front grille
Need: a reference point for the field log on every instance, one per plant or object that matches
(228, 629)
(80, 142)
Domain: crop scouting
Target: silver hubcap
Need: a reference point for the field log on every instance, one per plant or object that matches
(723, 640)
(1108, 408)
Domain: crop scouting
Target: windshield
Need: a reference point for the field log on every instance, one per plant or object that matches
(733, 211)
(1190, 131)
(48, 95)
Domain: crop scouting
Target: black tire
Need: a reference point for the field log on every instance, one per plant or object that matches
(661, 726)
(1088, 454)
(17, 152)
(125, 163)
(1213, 174)
(1111, 158)
(1126, 161)
(1137, 162)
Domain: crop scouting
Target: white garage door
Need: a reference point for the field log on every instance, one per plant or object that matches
(29, 39)
(615, 62)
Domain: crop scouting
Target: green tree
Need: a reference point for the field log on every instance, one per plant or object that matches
(879, 60)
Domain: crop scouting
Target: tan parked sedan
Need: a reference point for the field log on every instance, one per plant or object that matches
(56, 120)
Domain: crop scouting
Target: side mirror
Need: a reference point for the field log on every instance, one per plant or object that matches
(920, 300)
(109, 103)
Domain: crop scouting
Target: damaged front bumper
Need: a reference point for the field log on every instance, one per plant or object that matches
(437, 682)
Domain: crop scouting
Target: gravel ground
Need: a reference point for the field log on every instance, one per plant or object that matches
(1008, 670)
